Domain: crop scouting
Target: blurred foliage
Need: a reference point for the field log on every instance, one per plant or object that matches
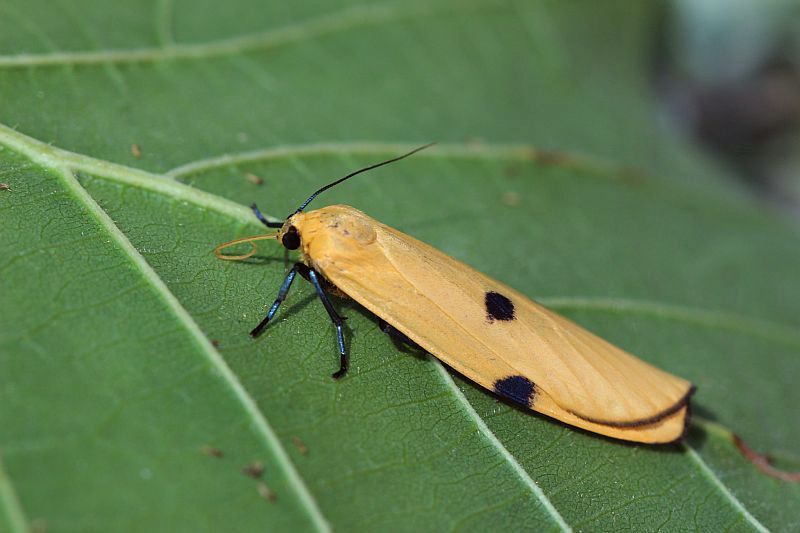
(731, 76)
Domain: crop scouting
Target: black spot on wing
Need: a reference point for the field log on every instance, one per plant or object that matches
(498, 307)
(517, 388)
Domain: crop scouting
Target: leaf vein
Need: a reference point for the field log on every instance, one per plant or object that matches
(9, 501)
(521, 152)
(492, 439)
(714, 319)
(711, 476)
(341, 21)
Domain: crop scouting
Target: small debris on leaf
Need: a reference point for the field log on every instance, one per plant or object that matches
(511, 198)
(211, 451)
(255, 469)
(38, 525)
(300, 445)
(265, 492)
(762, 462)
(252, 178)
(136, 151)
(550, 157)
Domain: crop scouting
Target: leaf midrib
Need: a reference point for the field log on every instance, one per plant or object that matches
(48, 159)
(68, 162)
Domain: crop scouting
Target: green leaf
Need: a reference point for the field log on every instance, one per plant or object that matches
(125, 363)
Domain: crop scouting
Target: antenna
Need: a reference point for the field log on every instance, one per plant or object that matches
(359, 171)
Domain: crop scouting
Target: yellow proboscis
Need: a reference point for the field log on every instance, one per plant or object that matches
(234, 242)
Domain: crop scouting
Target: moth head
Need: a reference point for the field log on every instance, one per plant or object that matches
(289, 235)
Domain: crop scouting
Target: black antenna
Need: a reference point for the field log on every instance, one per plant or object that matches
(359, 171)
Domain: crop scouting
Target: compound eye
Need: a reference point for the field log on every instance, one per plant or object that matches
(291, 239)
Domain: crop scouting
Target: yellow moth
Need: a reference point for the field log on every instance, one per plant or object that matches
(485, 330)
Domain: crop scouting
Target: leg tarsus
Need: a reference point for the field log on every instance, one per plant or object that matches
(342, 353)
(284, 290)
(337, 320)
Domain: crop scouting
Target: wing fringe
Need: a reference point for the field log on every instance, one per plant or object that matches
(671, 410)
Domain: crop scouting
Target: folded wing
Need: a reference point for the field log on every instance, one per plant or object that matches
(506, 342)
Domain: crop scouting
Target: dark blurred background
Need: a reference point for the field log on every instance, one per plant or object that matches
(729, 74)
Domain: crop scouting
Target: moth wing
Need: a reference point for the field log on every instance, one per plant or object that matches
(440, 303)
(668, 428)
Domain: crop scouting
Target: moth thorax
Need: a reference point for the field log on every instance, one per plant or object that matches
(348, 227)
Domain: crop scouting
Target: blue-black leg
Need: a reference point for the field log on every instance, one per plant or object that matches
(397, 336)
(337, 320)
(284, 290)
(263, 219)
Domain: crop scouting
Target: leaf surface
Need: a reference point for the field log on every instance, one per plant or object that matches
(124, 353)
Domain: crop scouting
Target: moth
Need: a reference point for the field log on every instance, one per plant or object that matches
(482, 328)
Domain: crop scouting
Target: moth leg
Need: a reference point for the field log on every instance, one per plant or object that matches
(397, 335)
(337, 320)
(284, 290)
(263, 219)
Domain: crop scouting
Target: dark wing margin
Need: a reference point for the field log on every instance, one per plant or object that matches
(658, 417)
